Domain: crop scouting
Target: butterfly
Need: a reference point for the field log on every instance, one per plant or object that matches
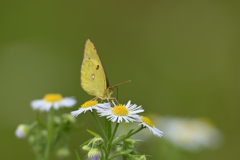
(93, 76)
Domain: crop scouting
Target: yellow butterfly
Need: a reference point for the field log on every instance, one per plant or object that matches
(93, 77)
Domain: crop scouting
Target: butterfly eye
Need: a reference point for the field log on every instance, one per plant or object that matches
(110, 90)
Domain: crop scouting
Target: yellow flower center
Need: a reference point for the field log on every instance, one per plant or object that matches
(120, 110)
(147, 121)
(53, 97)
(89, 104)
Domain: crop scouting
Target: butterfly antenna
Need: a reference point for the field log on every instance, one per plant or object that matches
(121, 83)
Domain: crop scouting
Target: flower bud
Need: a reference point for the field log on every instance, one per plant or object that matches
(57, 120)
(22, 131)
(130, 143)
(142, 157)
(63, 152)
(98, 142)
(86, 148)
(68, 119)
(94, 154)
(32, 139)
(119, 148)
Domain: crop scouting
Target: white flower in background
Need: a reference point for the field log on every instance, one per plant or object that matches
(22, 131)
(121, 112)
(146, 122)
(52, 100)
(89, 106)
(190, 134)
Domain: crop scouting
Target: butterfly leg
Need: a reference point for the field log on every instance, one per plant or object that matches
(113, 98)
(95, 98)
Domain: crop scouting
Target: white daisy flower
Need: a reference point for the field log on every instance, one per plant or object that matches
(191, 134)
(89, 106)
(121, 112)
(22, 131)
(52, 100)
(146, 122)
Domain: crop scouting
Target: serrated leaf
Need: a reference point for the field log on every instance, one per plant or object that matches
(92, 133)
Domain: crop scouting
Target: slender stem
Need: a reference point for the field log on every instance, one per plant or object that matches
(106, 128)
(124, 157)
(33, 125)
(129, 135)
(99, 125)
(114, 132)
(50, 132)
(109, 146)
(124, 148)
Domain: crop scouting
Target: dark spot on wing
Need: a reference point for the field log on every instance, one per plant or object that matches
(89, 58)
(97, 67)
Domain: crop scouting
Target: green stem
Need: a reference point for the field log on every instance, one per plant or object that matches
(109, 146)
(108, 128)
(129, 135)
(124, 148)
(114, 132)
(50, 132)
(33, 125)
(99, 125)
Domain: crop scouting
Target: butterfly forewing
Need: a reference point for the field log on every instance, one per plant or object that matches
(93, 77)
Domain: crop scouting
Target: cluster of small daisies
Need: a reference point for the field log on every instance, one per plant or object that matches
(49, 101)
(119, 113)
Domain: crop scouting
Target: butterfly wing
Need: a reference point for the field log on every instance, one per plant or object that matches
(93, 77)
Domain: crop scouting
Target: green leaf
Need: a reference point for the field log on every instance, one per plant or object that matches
(78, 158)
(118, 138)
(127, 151)
(93, 133)
(39, 121)
(85, 143)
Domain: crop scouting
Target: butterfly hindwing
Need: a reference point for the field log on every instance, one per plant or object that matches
(92, 79)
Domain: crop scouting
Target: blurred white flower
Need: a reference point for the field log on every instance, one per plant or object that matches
(22, 131)
(89, 106)
(52, 100)
(190, 134)
(146, 122)
(121, 112)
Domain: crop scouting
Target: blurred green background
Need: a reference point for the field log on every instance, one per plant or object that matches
(181, 56)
